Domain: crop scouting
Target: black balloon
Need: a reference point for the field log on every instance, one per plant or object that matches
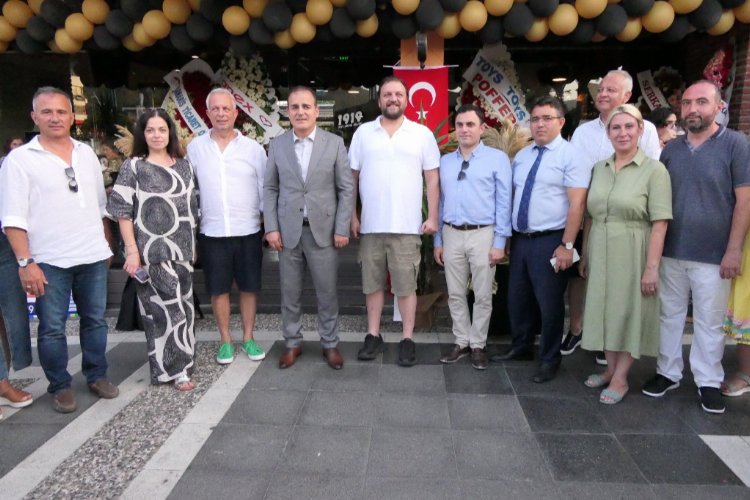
(493, 31)
(731, 4)
(180, 39)
(135, 9)
(213, 10)
(324, 34)
(259, 33)
(342, 25)
(404, 26)
(584, 32)
(277, 16)
(359, 10)
(429, 14)
(118, 23)
(241, 45)
(54, 12)
(155, 4)
(611, 21)
(297, 6)
(40, 30)
(637, 8)
(677, 31)
(706, 15)
(104, 39)
(199, 28)
(453, 5)
(28, 45)
(543, 8)
(518, 20)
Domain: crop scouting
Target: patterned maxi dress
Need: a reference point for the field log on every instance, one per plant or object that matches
(162, 203)
(623, 206)
(737, 321)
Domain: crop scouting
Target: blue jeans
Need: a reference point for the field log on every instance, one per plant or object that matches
(88, 282)
(14, 311)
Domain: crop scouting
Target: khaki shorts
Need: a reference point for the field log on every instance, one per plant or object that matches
(397, 254)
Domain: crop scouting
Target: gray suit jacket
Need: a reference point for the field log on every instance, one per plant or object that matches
(328, 191)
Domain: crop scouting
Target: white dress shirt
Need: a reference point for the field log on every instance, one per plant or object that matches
(230, 184)
(303, 151)
(592, 142)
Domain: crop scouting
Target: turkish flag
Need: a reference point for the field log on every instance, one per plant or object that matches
(427, 101)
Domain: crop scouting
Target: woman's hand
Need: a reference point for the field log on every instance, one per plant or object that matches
(650, 282)
(132, 263)
(583, 267)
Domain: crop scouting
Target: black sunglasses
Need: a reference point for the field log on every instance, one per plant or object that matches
(462, 173)
(72, 183)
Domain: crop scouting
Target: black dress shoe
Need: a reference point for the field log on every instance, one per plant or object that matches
(512, 355)
(545, 373)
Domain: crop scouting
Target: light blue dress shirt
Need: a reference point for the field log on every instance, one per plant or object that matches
(561, 168)
(483, 197)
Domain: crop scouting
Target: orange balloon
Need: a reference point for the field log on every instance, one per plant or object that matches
(659, 18)
(403, 7)
(367, 27)
(450, 26)
(67, 43)
(473, 16)
(141, 37)
(177, 11)
(498, 7)
(235, 20)
(284, 39)
(17, 13)
(129, 43)
(7, 30)
(301, 29)
(254, 7)
(631, 30)
(589, 9)
(725, 23)
(36, 5)
(564, 20)
(319, 12)
(78, 27)
(539, 29)
(742, 13)
(156, 24)
(95, 10)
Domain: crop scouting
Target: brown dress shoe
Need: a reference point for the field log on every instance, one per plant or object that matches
(104, 389)
(64, 401)
(334, 358)
(289, 357)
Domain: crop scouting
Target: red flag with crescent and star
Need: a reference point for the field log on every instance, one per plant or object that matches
(427, 100)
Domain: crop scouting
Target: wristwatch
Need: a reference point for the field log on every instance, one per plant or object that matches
(25, 262)
(568, 245)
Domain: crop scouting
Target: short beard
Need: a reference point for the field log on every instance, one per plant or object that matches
(392, 116)
(696, 128)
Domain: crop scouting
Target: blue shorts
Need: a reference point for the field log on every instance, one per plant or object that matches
(233, 259)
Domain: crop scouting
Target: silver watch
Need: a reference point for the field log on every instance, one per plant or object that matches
(568, 246)
(25, 262)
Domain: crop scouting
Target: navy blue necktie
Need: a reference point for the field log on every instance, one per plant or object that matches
(523, 208)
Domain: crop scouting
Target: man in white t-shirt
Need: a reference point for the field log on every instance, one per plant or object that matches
(53, 206)
(388, 157)
(229, 168)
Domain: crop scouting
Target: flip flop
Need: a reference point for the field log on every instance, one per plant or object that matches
(733, 391)
(595, 381)
(610, 397)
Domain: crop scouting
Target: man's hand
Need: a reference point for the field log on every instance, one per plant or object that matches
(355, 226)
(564, 258)
(32, 279)
(274, 240)
(497, 255)
(437, 253)
(429, 226)
(340, 241)
(731, 264)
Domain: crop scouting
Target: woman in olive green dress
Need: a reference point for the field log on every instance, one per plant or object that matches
(628, 207)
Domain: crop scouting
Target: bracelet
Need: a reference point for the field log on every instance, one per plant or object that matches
(131, 245)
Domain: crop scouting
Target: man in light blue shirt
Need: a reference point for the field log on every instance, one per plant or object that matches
(475, 209)
(550, 185)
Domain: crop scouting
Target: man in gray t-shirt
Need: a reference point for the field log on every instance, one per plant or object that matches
(710, 173)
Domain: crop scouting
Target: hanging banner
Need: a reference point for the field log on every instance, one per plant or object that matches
(490, 82)
(427, 101)
(650, 91)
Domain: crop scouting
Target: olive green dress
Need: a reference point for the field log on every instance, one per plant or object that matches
(622, 206)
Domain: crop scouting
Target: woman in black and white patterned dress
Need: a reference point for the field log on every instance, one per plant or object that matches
(155, 202)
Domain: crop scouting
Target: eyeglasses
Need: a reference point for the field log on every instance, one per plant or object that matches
(545, 118)
(462, 173)
(72, 183)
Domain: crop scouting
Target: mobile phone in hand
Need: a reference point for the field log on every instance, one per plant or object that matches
(141, 276)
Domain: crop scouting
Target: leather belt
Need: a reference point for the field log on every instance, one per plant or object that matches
(466, 227)
(305, 221)
(538, 234)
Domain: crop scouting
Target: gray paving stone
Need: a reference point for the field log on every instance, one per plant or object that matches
(427, 354)
(298, 377)
(640, 414)
(335, 409)
(564, 382)
(734, 422)
(408, 410)
(420, 379)
(411, 453)
(700, 492)
(507, 489)
(314, 487)
(588, 457)
(20, 439)
(505, 455)
(273, 407)
(486, 412)
(239, 448)
(463, 379)
(201, 483)
(689, 460)
(326, 450)
(355, 377)
(398, 488)
(610, 491)
(559, 414)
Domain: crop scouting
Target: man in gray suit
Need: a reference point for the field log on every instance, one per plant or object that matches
(308, 199)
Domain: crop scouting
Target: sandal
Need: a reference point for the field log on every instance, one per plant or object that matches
(184, 384)
(15, 398)
(595, 381)
(733, 390)
(611, 397)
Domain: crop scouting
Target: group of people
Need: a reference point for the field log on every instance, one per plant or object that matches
(649, 228)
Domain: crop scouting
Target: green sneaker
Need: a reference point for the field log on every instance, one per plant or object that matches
(253, 350)
(225, 354)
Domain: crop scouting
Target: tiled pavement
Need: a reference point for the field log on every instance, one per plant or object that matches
(371, 430)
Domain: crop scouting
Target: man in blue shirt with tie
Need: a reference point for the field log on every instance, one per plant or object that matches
(550, 184)
(474, 222)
